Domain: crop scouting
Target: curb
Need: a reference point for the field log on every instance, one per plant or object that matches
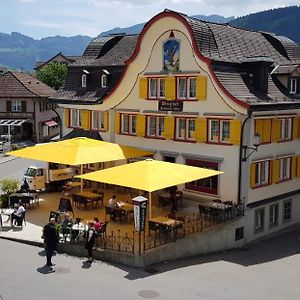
(27, 242)
(8, 160)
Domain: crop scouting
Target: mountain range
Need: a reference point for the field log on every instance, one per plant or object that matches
(21, 52)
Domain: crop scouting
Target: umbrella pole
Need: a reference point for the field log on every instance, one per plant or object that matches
(81, 180)
(150, 206)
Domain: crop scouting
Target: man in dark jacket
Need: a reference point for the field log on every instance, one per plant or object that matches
(51, 240)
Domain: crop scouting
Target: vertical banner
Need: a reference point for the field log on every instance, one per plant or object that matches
(140, 212)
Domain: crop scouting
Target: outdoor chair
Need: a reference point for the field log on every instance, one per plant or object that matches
(119, 214)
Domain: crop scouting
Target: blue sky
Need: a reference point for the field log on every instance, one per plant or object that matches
(41, 18)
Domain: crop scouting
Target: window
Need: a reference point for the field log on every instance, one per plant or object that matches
(287, 211)
(76, 118)
(155, 126)
(239, 233)
(262, 173)
(128, 124)
(16, 105)
(73, 117)
(43, 105)
(293, 85)
(219, 131)
(156, 88)
(83, 80)
(259, 220)
(207, 185)
(285, 129)
(186, 88)
(104, 81)
(273, 215)
(285, 168)
(98, 120)
(185, 129)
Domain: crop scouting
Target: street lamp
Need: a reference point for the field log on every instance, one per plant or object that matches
(256, 143)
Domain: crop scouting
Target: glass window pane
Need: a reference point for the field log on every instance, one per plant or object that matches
(95, 119)
(162, 88)
(153, 88)
(214, 130)
(192, 88)
(225, 131)
(181, 88)
(133, 124)
(161, 123)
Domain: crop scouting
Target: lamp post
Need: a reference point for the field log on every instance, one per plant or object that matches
(245, 148)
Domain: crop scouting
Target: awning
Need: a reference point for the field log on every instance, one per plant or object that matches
(50, 123)
(11, 122)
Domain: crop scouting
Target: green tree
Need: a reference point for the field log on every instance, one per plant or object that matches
(53, 74)
(8, 186)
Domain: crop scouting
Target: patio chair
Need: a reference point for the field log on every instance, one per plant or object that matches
(119, 213)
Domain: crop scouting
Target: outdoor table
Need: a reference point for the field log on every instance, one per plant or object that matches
(164, 224)
(126, 206)
(89, 197)
(77, 231)
(73, 184)
(165, 198)
(6, 212)
(26, 198)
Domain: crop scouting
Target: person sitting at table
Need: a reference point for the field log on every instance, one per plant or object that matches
(97, 224)
(173, 197)
(66, 225)
(112, 202)
(18, 214)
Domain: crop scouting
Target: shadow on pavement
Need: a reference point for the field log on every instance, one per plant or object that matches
(285, 244)
(45, 270)
(86, 264)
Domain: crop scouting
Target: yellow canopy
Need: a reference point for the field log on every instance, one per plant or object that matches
(79, 151)
(149, 175)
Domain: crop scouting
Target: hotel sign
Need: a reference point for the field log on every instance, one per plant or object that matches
(170, 105)
(15, 115)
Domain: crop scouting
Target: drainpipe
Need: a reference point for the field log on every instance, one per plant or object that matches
(60, 122)
(239, 200)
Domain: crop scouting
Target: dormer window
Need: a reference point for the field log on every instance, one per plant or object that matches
(293, 85)
(104, 81)
(83, 80)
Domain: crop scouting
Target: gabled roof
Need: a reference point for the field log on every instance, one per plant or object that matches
(67, 58)
(17, 84)
(225, 43)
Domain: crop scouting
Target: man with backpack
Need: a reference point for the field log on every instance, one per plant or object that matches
(91, 235)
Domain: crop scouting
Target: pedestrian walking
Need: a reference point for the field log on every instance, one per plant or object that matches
(91, 235)
(51, 240)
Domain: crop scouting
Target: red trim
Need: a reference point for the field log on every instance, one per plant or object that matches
(185, 140)
(194, 45)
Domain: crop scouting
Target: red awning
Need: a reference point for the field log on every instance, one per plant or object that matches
(50, 123)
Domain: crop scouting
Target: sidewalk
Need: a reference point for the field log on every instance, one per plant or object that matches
(29, 233)
(4, 159)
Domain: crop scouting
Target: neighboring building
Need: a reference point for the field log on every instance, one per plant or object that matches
(58, 58)
(24, 109)
(196, 93)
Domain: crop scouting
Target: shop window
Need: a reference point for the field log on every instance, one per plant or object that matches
(156, 88)
(273, 215)
(285, 168)
(219, 131)
(185, 129)
(104, 81)
(286, 129)
(83, 80)
(207, 185)
(98, 120)
(186, 88)
(155, 126)
(287, 211)
(128, 124)
(16, 105)
(293, 85)
(259, 220)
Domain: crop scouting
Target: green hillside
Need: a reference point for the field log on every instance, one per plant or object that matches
(282, 21)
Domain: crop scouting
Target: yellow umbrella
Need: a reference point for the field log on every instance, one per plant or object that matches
(149, 175)
(79, 151)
